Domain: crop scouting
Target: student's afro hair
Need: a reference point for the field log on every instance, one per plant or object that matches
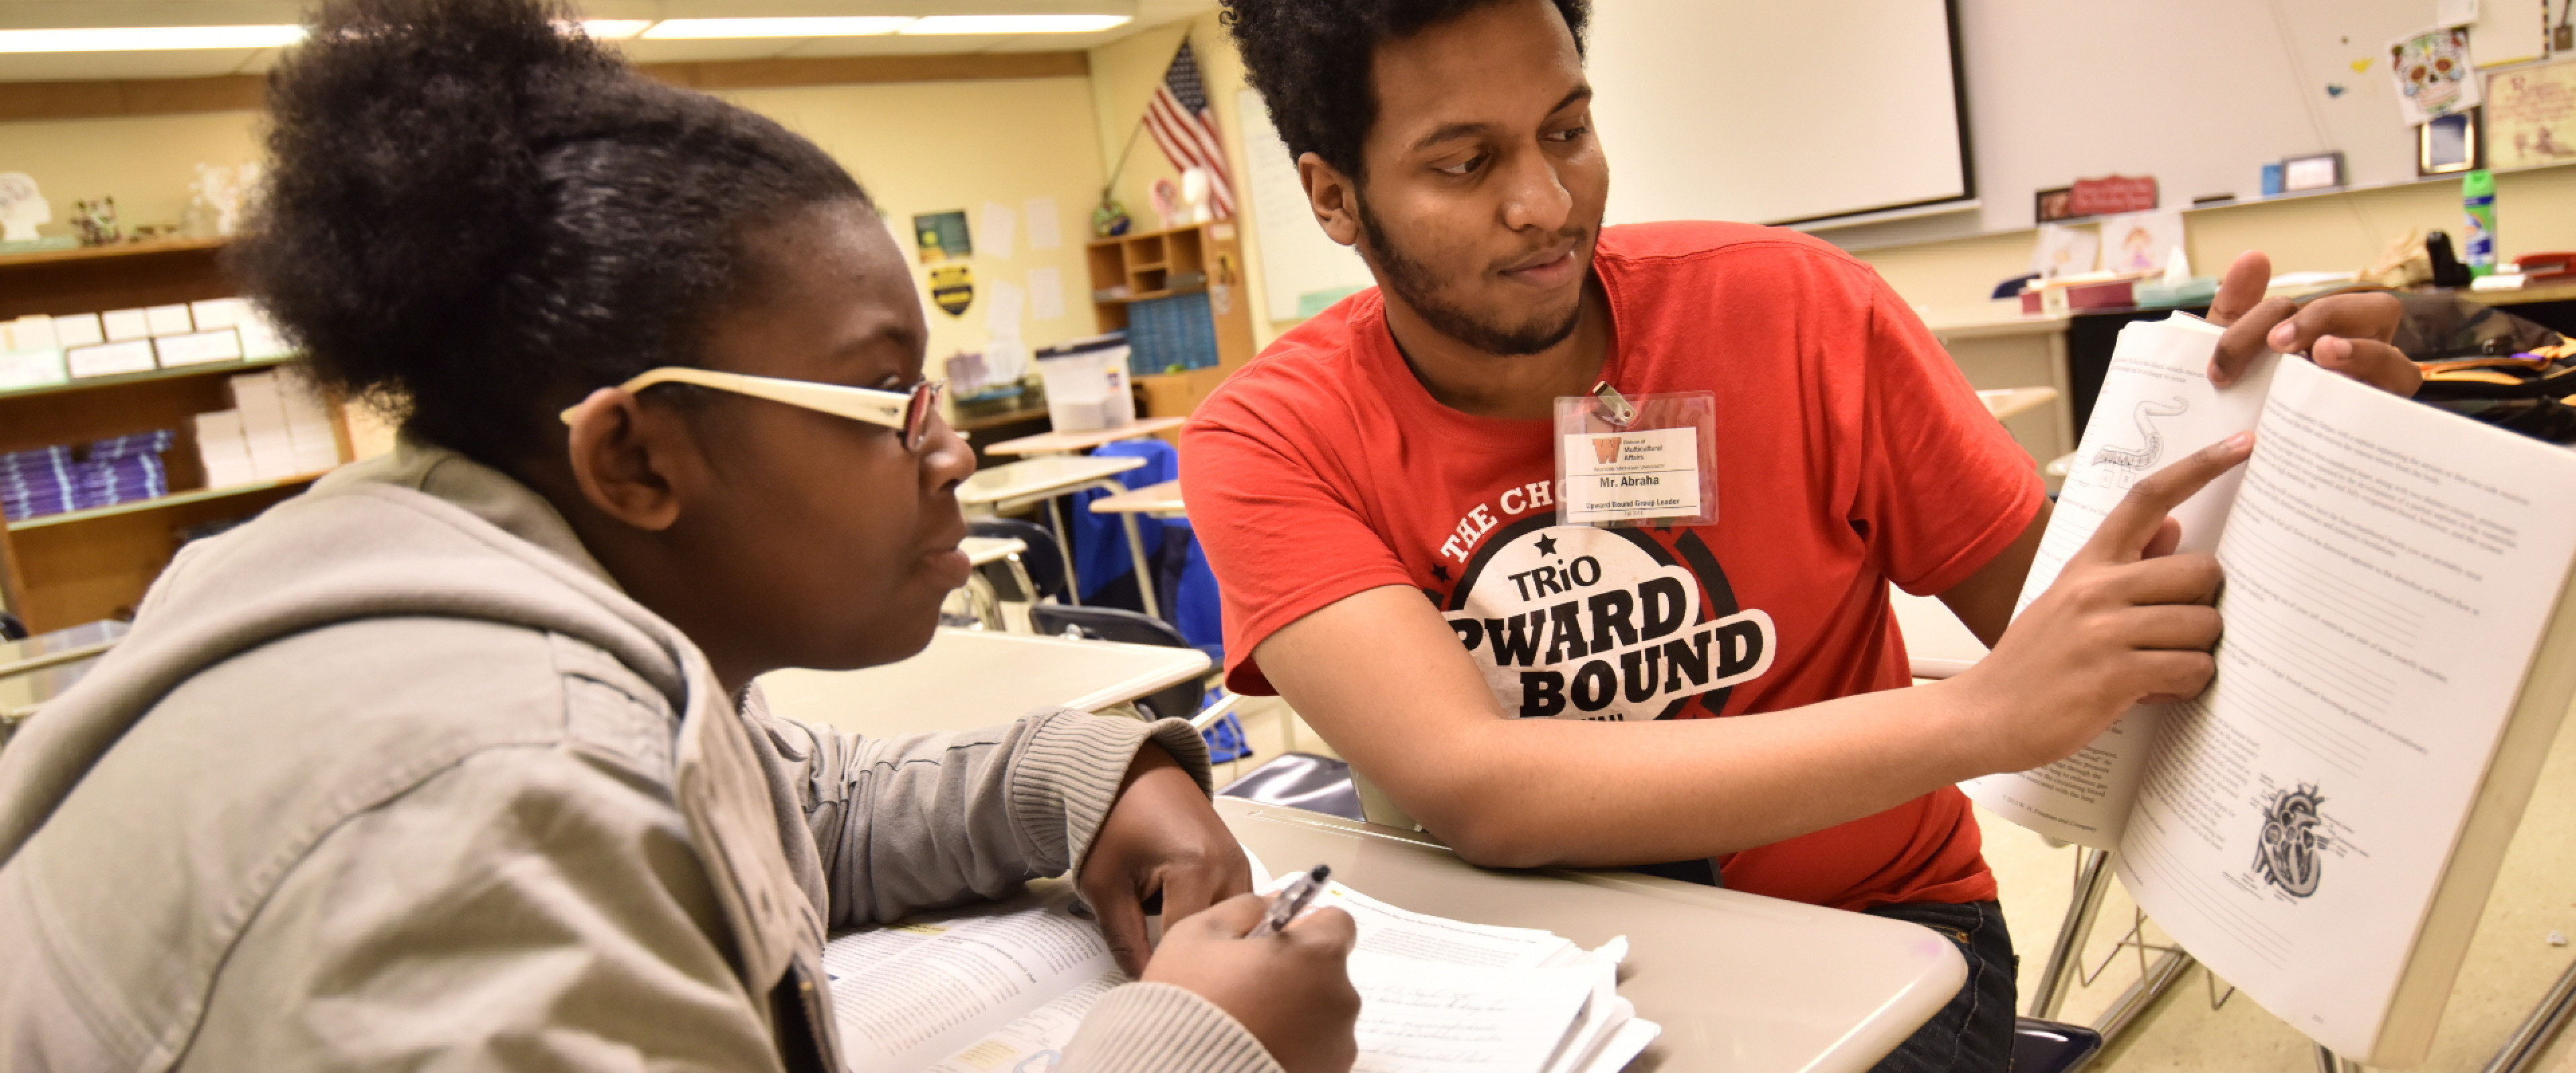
(473, 216)
(1311, 61)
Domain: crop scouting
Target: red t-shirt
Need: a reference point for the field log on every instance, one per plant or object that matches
(1849, 453)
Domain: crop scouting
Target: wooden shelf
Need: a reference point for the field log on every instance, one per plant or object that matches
(175, 499)
(121, 249)
(1149, 295)
(84, 383)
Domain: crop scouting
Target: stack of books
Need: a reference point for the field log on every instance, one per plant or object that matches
(51, 480)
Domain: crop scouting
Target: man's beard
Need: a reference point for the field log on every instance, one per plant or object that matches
(1419, 286)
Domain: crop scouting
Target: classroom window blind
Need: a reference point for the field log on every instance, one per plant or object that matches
(1777, 112)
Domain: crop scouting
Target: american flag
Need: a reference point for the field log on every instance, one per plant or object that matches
(1185, 127)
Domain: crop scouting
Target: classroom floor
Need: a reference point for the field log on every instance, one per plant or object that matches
(2511, 963)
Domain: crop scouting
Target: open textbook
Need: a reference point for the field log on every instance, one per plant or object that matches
(2321, 826)
(1001, 988)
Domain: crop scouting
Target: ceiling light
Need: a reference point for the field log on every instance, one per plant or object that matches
(833, 26)
(613, 29)
(1015, 24)
(148, 38)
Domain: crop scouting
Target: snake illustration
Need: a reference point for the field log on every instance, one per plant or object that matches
(2287, 856)
(2146, 454)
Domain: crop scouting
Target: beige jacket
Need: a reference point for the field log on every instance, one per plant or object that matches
(396, 777)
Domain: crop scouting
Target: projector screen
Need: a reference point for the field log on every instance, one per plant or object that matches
(1776, 111)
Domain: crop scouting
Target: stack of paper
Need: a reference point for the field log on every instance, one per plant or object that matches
(35, 483)
(1005, 986)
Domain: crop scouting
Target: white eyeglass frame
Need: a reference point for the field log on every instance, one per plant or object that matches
(892, 409)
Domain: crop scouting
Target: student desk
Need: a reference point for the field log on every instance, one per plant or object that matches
(982, 551)
(1739, 981)
(1065, 443)
(1154, 501)
(1040, 480)
(968, 679)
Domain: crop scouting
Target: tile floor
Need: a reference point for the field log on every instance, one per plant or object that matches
(2510, 964)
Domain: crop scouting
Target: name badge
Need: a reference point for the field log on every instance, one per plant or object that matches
(1636, 460)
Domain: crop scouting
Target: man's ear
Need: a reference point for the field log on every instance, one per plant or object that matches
(1334, 197)
(625, 457)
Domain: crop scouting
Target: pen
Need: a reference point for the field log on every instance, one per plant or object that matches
(1292, 901)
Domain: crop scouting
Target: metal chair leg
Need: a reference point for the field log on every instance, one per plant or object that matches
(2092, 881)
(2523, 1050)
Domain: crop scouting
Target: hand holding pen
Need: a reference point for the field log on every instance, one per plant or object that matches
(1286, 979)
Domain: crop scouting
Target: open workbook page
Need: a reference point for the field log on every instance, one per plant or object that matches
(2156, 406)
(1004, 987)
(2390, 571)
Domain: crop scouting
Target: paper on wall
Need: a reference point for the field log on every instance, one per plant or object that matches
(1006, 356)
(2434, 74)
(2065, 250)
(1046, 231)
(2454, 12)
(1046, 291)
(999, 224)
(2140, 241)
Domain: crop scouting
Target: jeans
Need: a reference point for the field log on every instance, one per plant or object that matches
(1975, 1030)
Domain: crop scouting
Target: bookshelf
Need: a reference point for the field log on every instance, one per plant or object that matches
(1199, 259)
(63, 570)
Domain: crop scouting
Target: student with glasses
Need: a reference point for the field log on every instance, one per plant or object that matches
(457, 759)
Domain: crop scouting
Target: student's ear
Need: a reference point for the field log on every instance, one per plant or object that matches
(623, 457)
(1333, 196)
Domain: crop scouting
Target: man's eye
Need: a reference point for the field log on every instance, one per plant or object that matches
(1465, 167)
(1570, 133)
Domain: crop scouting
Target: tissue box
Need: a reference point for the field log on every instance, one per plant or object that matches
(2157, 294)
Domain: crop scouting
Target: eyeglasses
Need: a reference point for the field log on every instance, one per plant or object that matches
(909, 411)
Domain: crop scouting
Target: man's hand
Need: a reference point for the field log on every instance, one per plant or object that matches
(1161, 838)
(2126, 621)
(2342, 333)
(1292, 990)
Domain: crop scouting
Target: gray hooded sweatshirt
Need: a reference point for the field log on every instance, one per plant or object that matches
(396, 777)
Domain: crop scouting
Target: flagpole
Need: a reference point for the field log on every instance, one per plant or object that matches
(1123, 154)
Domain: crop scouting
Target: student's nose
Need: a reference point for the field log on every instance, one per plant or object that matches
(1533, 195)
(946, 461)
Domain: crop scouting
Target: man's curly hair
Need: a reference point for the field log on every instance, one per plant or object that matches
(477, 217)
(1311, 61)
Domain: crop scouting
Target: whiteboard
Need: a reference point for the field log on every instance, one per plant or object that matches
(1302, 270)
(1770, 112)
(2199, 94)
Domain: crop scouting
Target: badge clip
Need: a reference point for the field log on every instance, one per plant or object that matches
(1614, 406)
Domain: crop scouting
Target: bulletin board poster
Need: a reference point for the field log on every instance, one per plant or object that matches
(2531, 116)
(942, 235)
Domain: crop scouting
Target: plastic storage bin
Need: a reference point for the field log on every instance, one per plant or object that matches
(1087, 385)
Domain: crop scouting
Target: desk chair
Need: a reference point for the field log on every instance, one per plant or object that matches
(11, 629)
(1302, 780)
(1034, 576)
(2052, 1047)
(1185, 701)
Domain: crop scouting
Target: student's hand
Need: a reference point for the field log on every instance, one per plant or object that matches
(1292, 990)
(2127, 621)
(2342, 333)
(1161, 838)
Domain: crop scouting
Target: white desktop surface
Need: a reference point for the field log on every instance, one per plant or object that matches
(1041, 476)
(1738, 981)
(968, 679)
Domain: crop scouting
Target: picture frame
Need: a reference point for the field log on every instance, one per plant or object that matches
(2053, 206)
(2450, 144)
(2320, 171)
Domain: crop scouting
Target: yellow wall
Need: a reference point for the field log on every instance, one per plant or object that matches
(144, 163)
(918, 147)
(1123, 77)
(2535, 211)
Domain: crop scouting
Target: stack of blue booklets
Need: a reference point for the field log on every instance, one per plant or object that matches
(50, 480)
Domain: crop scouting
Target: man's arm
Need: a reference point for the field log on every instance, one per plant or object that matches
(1984, 600)
(1384, 678)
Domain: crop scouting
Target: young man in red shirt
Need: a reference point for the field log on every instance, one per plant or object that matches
(1377, 495)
